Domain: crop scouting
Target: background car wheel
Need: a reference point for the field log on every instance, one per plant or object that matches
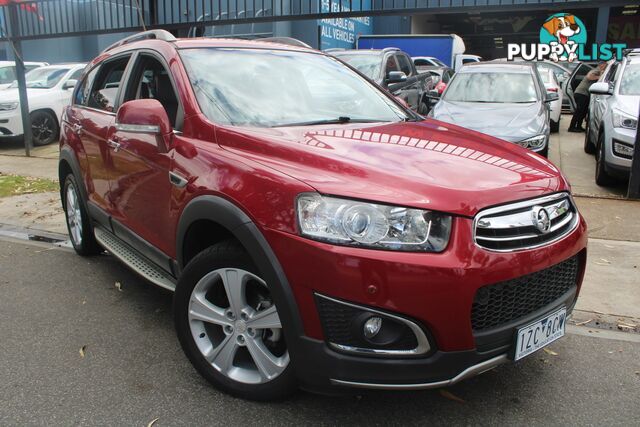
(545, 152)
(44, 127)
(78, 224)
(602, 177)
(229, 326)
(555, 126)
(589, 148)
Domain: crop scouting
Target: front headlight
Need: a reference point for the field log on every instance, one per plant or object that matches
(370, 225)
(623, 120)
(8, 106)
(534, 143)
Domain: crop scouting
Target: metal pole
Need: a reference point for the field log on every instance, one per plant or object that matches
(634, 179)
(22, 85)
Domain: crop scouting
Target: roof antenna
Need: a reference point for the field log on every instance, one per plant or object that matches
(144, 27)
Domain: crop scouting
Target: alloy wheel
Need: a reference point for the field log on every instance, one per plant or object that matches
(42, 128)
(74, 216)
(236, 326)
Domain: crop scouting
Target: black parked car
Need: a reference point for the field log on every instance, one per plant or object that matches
(392, 69)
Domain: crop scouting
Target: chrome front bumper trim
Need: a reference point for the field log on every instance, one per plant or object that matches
(470, 372)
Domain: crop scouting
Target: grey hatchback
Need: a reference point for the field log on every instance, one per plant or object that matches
(504, 100)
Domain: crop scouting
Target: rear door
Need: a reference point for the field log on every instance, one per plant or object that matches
(94, 123)
(573, 82)
(140, 185)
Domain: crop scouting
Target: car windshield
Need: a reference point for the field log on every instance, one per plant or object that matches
(270, 88)
(438, 62)
(630, 82)
(497, 87)
(369, 65)
(7, 75)
(43, 78)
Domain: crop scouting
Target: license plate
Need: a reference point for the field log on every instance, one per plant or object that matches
(540, 333)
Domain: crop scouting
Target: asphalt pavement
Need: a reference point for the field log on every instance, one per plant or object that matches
(76, 349)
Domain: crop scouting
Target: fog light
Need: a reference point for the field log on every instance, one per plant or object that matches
(372, 327)
(622, 150)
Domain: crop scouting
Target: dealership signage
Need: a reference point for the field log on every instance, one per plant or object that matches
(563, 37)
(343, 32)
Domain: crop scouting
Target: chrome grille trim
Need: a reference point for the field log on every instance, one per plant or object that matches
(499, 229)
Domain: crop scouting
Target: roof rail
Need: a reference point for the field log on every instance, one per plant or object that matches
(631, 52)
(285, 40)
(144, 35)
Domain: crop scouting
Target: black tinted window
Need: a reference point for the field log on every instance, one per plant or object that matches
(107, 84)
(405, 65)
(84, 88)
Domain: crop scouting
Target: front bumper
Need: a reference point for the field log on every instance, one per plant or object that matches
(614, 163)
(10, 124)
(435, 290)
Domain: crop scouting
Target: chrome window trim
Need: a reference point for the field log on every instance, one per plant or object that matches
(525, 204)
(423, 346)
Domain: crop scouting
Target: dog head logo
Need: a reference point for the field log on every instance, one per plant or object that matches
(563, 31)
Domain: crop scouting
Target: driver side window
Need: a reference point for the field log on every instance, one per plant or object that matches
(151, 80)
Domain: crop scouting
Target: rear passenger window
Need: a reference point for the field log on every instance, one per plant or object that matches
(105, 89)
(84, 88)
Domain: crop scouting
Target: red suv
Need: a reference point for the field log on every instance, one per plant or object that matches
(316, 232)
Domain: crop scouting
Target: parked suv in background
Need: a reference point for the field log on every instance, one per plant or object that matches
(392, 69)
(49, 90)
(315, 238)
(612, 122)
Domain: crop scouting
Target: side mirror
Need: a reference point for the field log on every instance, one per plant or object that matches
(69, 84)
(145, 116)
(395, 77)
(551, 96)
(600, 88)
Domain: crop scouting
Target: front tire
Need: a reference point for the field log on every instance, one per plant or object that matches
(78, 223)
(44, 128)
(229, 327)
(554, 126)
(589, 148)
(603, 178)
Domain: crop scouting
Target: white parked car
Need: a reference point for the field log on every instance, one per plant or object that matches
(49, 90)
(551, 84)
(427, 61)
(8, 71)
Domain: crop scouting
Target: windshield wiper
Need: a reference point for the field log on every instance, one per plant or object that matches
(339, 120)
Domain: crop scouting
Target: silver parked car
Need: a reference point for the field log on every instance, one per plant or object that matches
(505, 100)
(613, 118)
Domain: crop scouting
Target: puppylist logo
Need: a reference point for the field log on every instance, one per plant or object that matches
(563, 37)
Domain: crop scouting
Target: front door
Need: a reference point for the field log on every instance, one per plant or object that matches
(140, 184)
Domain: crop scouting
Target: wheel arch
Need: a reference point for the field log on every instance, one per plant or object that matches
(48, 110)
(232, 222)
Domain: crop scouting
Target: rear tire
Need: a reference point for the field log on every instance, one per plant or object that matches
(603, 179)
(44, 128)
(78, 223)
(218, 302)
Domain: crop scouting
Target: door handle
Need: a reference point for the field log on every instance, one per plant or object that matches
(76, 128)
(178, 180)
(114, 144)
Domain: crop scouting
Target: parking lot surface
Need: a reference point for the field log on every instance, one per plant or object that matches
(53, 304)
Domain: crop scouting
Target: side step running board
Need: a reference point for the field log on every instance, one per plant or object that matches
(133, 260)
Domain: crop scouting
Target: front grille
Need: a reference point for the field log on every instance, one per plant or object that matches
(513, 227)
(503, 302)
